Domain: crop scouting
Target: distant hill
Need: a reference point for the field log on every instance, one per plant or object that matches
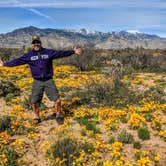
(60, 38)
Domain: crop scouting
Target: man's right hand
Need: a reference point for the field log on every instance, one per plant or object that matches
(1, 63)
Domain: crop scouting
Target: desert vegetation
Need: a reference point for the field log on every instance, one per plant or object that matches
(115, 106)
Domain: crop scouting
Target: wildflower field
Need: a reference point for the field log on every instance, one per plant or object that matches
(105, 124)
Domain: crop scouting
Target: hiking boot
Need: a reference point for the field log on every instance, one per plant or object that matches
(53, 115)
(60, 118)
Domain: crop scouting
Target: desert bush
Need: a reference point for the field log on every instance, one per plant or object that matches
(9, 97)
(111, 140)
(156, 93)
(143, 133)
(90, 124)
(98, 93)
(136, 145)
(140, 58)
(88, 147)
(5, 123)
(156, 125)
(148, 117)
(125, 137)
(124, 119)
(101, 92)
(11, 156)
(64, 148)
(109, 94)
(87, 61)
(68, 149)
(8, 88)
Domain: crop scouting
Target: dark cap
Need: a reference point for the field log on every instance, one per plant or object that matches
(36, 39)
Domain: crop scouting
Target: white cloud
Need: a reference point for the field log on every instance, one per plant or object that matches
(49, 3)
(83, 3)
(41, 14)
(35, 11)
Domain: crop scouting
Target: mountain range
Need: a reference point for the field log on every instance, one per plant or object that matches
(61, 38)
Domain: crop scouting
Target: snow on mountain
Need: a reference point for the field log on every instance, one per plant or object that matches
(134, 31)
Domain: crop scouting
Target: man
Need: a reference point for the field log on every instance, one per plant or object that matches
(40, 61)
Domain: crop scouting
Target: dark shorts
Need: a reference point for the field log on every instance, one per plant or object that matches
(41, 86)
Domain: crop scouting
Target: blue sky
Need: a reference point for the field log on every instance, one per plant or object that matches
(147, 16)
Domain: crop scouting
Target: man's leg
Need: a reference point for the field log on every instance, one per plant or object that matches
(36, 97)
(53, 95)
(58, 112)
(57, 105)
(35, 108)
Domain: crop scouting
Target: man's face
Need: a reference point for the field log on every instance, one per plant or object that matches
(36, 45)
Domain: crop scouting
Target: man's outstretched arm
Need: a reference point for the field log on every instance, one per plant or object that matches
(15, 62)
(60, 54)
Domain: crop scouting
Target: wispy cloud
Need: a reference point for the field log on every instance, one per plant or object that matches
(83, 3)
(41, 14)
(19, 3)
(40, 3)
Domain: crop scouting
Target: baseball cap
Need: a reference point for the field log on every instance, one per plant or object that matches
(36, 39)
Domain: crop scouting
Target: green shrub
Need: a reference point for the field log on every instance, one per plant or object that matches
(9, 97)
(148, 117)
(11, 156)
(7, 87)
(97, 93)
(5, 123)
(125, 137)
(64, 148)
(136, 145)
(111, 140)
(90, 124)
(143, 133)
(157, 125)
(100, 92)
(113, 126)
(69, 149)
(124, 119)
(155, 93)
(88, 148)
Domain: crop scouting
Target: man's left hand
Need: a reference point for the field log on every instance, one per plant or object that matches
(78, 50)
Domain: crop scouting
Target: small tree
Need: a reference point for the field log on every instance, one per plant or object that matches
(87, 61)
